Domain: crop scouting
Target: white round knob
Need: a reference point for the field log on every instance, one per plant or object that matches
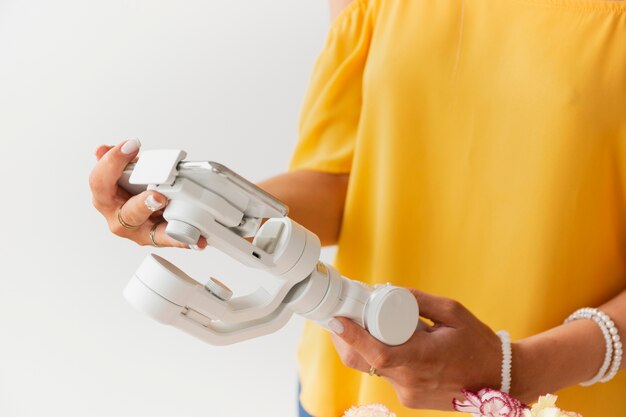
(218, 289)
(182, 232)
(391, 315)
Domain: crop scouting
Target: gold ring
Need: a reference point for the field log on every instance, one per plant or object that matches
(123, 223)
(373, 371)
(152, 232)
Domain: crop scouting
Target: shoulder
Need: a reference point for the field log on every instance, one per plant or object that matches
(338, 6)
(350, 10)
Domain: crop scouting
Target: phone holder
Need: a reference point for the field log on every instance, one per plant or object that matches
(207, 199)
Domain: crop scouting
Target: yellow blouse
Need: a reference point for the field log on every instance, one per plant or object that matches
(486, 141)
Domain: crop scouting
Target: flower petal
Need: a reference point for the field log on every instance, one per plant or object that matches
(495, 407)
(465, 406)
(370, 410)
(472, 397)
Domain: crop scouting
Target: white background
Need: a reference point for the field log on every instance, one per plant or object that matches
(223, 80)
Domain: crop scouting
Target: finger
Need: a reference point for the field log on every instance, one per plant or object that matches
(440, 310)
(350, 357)
(109, 169)
(161, 239)
(101, 150)
(374, 352)
(138, 209)
(202, 243)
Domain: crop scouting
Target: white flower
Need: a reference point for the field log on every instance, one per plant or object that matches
(371, 410)
(546, 407)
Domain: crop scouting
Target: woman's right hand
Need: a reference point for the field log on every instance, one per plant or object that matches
(128, 216)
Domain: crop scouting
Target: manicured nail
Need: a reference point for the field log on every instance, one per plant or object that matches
(336, 326)
(152, 203)
(196, 247)
(131, 146)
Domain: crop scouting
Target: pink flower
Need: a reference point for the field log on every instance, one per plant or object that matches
(489, 403)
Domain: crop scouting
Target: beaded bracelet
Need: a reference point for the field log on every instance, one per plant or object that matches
(613, 352)
(507, 356)
(617, 348)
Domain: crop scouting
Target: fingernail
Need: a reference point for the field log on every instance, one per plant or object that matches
(336, 326)
(131, 146)
(152, 203)
(196, 247)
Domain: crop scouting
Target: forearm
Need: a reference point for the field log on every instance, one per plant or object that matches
(315, 199)
(565, 355)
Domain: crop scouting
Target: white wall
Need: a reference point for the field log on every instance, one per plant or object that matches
(222, 79)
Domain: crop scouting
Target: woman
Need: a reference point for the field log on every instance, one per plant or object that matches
(474, 149)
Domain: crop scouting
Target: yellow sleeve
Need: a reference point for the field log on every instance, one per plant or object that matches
(332, 105)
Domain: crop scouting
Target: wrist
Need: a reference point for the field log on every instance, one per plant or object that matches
(560, 357)
(521, 384)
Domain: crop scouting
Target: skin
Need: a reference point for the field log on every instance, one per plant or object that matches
(456, 351)
(461, 352)
(336, 6)
(108, 198)
(324, 217)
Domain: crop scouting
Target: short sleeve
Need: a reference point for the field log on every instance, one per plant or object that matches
(332, 106)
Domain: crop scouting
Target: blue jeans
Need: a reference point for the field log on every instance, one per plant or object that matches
(301, 411)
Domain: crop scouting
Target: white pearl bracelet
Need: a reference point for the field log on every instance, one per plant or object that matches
(613, 353)
(507, 357)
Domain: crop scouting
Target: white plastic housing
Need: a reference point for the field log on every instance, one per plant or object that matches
(389, 313)
(217, 205)
(157, 167)
(168, 295)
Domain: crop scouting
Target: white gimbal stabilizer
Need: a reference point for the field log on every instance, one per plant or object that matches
(207, 199)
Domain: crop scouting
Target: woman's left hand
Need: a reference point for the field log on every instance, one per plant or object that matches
(428, 371)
